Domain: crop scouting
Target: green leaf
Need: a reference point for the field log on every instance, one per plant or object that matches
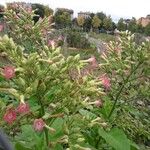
(58, 126)
(89, 115)
(115, 138)
(19, 146)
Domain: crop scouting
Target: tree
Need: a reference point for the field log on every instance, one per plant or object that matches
(96, 22)
(121, 25)
(48, 11)
(101, 16)
(147, 30)
(87, 24)
(139, 28)
(62, 18)
(1, 11)
(132, 26)
(39, 11)
(107, 23)
(80, 21)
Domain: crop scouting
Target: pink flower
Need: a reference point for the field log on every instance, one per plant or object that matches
(23, 108)
(51, 43)
(93, 62)
(105, 81)
(1, 27)
(9, 72)
(38, 124)
(98, 103)
(10, 116)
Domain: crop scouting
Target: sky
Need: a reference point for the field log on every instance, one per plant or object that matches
(115, 8)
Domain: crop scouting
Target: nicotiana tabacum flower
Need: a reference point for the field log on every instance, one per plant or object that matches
(23, 108)
(1, 27)
(38, 124)
(9, 72)
(105, 81)
(51, 43)
(10, 116)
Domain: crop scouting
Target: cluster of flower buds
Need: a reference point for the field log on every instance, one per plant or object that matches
(11, 114)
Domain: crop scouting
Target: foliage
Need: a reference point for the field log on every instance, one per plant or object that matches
(44, 80)
(107, 23)
(52, 101)
(121, 25)
(77, 40)
(62, 18)
(132, 26)
(96, 22)
(147, 29)
(80, 21)
(127, 64)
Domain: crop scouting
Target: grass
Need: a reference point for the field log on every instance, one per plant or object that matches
(84, 53)
(103, 36)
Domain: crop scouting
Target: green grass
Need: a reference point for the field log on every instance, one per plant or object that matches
(84, 53)
(103, 36)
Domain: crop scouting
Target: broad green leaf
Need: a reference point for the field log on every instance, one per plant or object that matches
(19, 146)
(115, 138)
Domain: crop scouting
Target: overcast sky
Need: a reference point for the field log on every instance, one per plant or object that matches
(115, 8)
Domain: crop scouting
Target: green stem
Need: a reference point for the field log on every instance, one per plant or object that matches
(121, 89)
(42, 113)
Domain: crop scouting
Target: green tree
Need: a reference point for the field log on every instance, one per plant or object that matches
(101, 16)
(87, 24)
(147, 30)
(132, 26)
(121, 25)
(48, 11)
(139, 28)
(107, 23)
(96, 22)
(62, 18)
(1, 11)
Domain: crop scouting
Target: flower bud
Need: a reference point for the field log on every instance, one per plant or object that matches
(10, 116)
(38, 125)
(8, 72)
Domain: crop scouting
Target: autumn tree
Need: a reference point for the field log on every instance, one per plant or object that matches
(96, 22)
(81, 21)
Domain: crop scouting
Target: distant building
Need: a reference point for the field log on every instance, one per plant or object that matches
(84, 14)
(144, 21)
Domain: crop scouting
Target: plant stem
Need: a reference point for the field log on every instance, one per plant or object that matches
(121, 89)
(42, 113)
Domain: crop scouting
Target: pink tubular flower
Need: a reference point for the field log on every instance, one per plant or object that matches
(38, 124)
(23, 108)
(9, 72)
(51, 43)
(98, 103)
(105, 81)
(1, 27)
(10, 116)
(93, 62)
